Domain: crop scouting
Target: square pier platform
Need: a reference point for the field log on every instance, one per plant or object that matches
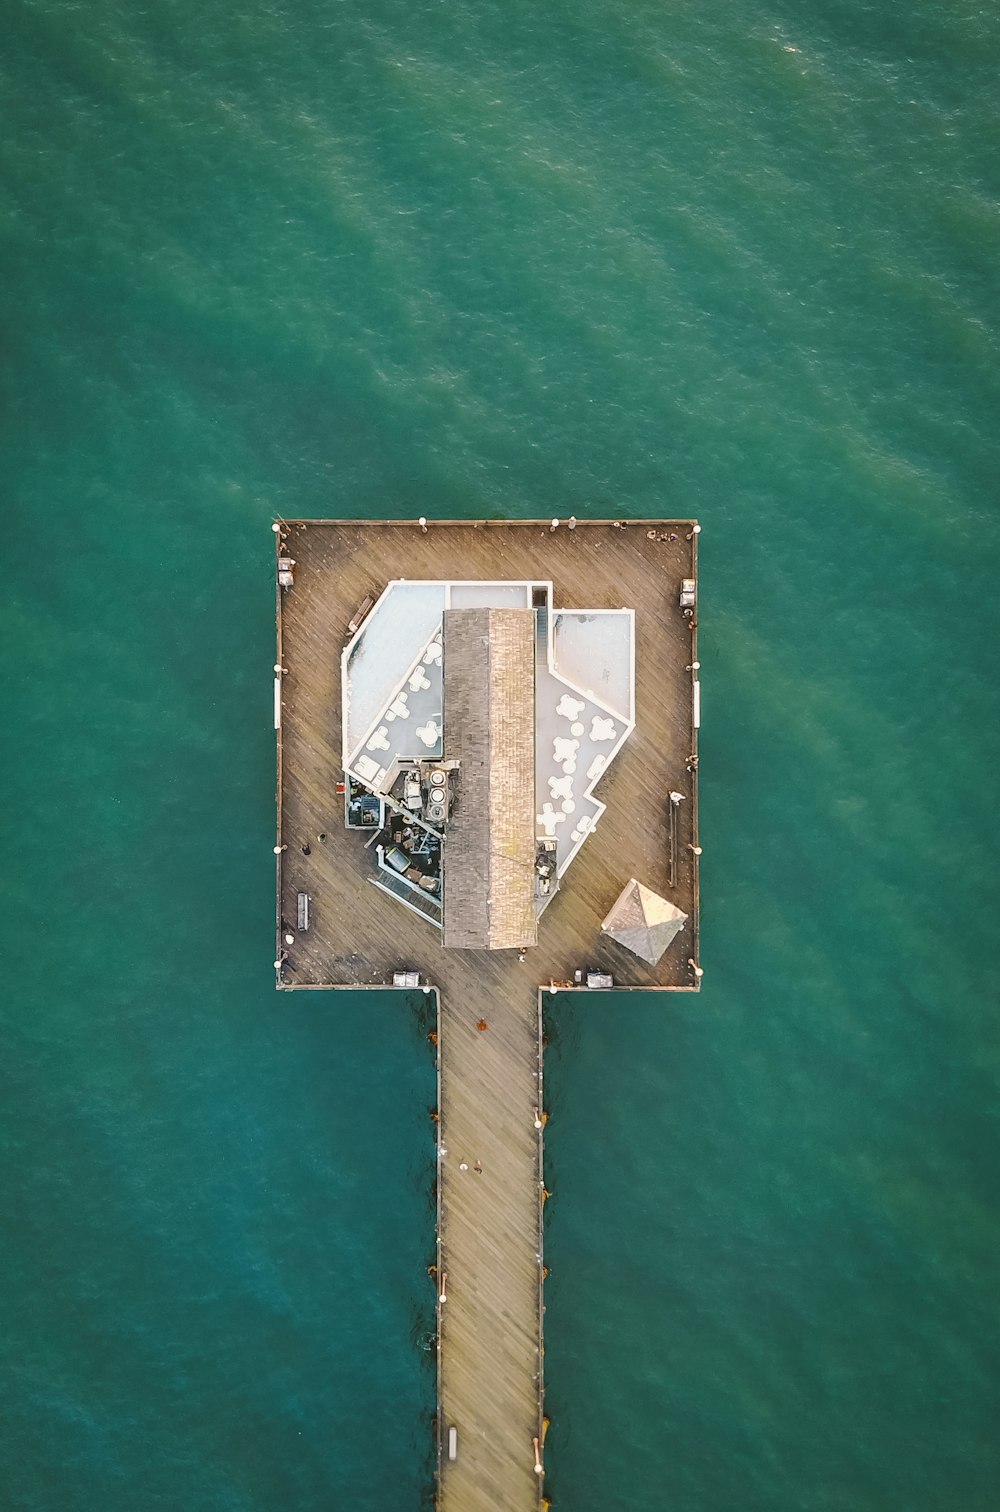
(358, 936)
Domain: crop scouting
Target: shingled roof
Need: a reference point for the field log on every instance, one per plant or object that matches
(489, 728)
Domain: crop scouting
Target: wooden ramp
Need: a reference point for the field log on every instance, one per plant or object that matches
(489, 1253)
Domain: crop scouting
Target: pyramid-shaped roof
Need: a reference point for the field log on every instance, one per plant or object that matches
(643, 922)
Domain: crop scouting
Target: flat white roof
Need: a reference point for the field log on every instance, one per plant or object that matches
(584, 693)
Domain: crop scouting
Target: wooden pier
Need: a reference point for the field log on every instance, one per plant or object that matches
(490, 1260)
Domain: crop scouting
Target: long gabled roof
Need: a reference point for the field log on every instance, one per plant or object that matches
(489, 728)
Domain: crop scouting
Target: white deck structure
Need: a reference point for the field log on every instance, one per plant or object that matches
(584, 693)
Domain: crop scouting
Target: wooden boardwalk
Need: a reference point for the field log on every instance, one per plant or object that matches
(489, 1225)
(490, 1256)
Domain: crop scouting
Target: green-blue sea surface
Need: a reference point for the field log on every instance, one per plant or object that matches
(465, 259)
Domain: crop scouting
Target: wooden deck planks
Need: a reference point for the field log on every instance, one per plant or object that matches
(490, 1233)
(490, 1244)
(358, 936)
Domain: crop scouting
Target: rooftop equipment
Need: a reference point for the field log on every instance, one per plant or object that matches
(362, 810)
(546, 857)
(689, 593)
(438, 795)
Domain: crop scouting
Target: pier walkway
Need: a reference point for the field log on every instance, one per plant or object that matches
(490, 1258)
(490, 1255)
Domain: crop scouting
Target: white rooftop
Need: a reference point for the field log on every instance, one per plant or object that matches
(584, 693)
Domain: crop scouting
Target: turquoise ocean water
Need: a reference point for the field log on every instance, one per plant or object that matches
(470, 259)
